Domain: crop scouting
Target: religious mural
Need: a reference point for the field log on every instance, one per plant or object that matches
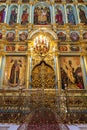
(10, 36)
(61, 36)
(23, 36)
(70, 15)
(16, 48)
(63, 48)
(42, 15)
(74, 36)
(15, 71)
(10, 48)
(71, 72)
(68, 48)
(13, 15)
(2, 14)
(75, 48)
(59, 16)
(82, 14)
(25, 16)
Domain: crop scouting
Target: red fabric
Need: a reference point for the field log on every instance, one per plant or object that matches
(44, 119)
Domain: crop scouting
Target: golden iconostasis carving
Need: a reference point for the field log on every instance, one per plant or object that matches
(43, 76)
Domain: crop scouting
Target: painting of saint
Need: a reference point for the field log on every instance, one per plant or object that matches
(74, 36)
(2, 15)
(24, 18)
(85, 35)
(70, 16)
(42, 15)
(14, 71)
(59, 17)
(10, 36)
(82, 16)
(13, 16)
(23, 36)
(71, 73)
(61, 36)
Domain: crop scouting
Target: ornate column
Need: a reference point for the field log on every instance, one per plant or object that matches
(29, 64)
(31, 14)
(66, 20)
(2, 66)
(4, 33)
(6, 13)
(81, 32)
(68, 33)
(18, 16)
(58, 75)
(77, 13)
(16, 33)
(53, 14)
(83, 58)
(28, 71)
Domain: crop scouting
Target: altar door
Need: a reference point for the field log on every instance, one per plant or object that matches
(43, 76)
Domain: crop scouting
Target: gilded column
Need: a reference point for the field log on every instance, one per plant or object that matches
(58, 75)
(3, 60)
(28, 72)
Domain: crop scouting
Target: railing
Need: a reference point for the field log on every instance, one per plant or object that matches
(15, 105)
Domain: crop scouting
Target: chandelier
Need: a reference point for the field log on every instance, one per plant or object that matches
(41, 45)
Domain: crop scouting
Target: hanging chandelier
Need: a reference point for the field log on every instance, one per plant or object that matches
(41, 45)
